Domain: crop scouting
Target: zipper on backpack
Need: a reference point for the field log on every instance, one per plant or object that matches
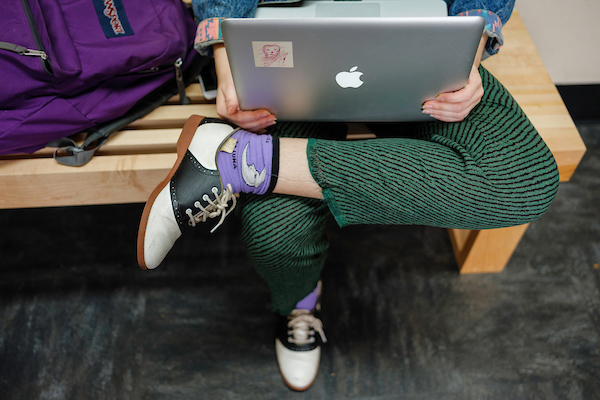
(183, 99)
(38, 42)
(23, 51)
(154, 69)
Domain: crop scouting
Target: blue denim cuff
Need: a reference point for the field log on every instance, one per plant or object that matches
(207, 34)
(493, 28)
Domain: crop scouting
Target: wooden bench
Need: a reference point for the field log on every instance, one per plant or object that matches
(133, 161)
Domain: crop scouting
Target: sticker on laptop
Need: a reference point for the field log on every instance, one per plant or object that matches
(273, 54)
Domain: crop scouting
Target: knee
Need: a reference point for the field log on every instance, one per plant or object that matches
(533, 192)
(545, 189)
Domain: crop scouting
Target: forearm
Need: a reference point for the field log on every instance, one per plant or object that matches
(480, 50)
(221, 62)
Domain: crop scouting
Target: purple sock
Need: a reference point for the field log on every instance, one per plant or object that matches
(249, 162)
(309, 302)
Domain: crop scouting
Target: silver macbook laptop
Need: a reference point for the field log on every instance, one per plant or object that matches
(349, 69)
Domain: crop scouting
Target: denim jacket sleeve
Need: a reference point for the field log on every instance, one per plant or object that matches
(495, 12)
(210, 13)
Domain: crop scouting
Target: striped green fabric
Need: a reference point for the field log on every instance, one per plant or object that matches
(491, 170)
(286, 241)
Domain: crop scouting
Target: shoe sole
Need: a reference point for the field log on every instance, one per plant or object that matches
(183, 143)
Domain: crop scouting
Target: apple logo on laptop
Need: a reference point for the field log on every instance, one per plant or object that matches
(350, 78)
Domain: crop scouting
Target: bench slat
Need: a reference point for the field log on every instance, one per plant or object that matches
(108, 180)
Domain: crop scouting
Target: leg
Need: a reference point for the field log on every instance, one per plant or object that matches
(286, 240)
(285, 236)
(294, 173)
(491, 170)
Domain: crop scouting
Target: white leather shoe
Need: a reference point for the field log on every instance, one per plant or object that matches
(298, 348)
(191, 193)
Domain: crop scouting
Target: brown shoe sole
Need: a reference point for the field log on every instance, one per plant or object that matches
(183, 143)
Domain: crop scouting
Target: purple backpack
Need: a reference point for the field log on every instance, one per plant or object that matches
(70, 65)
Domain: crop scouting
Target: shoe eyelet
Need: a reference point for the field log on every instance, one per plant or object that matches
(205, 197)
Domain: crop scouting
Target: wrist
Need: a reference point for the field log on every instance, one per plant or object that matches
(221, 63)
(480, 49)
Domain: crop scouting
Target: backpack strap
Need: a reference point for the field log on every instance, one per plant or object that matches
(68, 152)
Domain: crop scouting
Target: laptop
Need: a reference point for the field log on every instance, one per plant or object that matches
(368, 69)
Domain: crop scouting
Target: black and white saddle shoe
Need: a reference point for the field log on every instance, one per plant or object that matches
(298, 348)
(191, 193)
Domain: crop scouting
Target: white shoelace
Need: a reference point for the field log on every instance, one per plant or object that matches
(213, 209)
(303, 324)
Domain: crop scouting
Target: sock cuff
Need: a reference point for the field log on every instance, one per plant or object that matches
(275, 165)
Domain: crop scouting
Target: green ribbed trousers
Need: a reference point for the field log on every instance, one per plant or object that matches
(490, 170)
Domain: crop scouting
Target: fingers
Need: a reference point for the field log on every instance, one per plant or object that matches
(450, 112)
(254, 121)
(228, 109)
(455, 106)
(463, 95)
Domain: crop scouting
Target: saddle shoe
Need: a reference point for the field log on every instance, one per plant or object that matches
(298, 344)
(191, 193)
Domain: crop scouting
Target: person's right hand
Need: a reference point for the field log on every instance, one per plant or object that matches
(227, 103)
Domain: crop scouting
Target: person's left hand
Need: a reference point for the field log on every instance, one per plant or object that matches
(455, 106)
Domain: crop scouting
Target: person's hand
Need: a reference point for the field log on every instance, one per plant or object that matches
(227, 103)
(455, 106)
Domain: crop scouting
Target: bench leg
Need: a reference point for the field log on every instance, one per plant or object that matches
(485, 251)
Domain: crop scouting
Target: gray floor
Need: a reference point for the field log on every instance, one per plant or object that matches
(81, 321)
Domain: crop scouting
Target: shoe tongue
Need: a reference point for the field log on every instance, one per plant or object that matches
(206, 142)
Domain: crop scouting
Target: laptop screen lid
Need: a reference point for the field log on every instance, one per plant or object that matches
(349, 69)
(355, 9)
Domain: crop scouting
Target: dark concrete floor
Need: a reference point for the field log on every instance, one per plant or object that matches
(80, 321)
